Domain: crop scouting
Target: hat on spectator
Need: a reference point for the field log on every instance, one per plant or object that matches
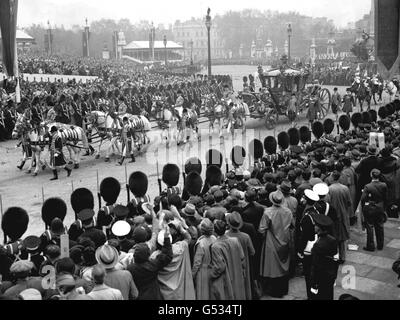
(139, 234)
(311, 195)
(107, 256)
(189, 210)
(21, 266)
(321, 189)
(375, 174)
(234, 220)
(276, 198)
(30, 294)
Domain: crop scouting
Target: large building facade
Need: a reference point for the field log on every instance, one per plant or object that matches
(192, 36)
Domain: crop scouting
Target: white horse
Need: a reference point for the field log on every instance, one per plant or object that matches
(391, 89)
(72, 136)
(187, 126)
(167, 121)
(107, 129)
(139, 126)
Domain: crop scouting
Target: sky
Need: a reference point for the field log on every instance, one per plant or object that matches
(71, 12)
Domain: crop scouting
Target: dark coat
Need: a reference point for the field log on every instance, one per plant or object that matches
(364, 170)
(252, 213)
(145, 275)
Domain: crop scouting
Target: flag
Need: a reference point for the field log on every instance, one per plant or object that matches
(8, 25)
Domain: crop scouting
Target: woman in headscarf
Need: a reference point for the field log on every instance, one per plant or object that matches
(202, 260)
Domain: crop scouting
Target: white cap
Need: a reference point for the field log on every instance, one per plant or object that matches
(121, 228)
(321, 189)
(311, 195)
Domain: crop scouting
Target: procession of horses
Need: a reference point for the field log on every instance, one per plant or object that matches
(176, 116)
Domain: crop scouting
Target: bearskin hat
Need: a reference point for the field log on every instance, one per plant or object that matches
(95, 95)
(344, 122)
(256, 149)
(138, 183)
(390, 109)
(283, 140)
(53, 208)
(374, 115)
(193, 164)
(238, 155)
(245, 79)
(49, 101)
(102, 94)
(76, 97)
(318, 129)
(214, 158)
(62, 98)
(110, 189)
(142, 89)
(14, 223)
(35, 100)
(213, 176)
(110, 94)
(294, 136)
(329, 125)
(366, 117)
(270, 145)
(382, 112)
(170, 174)
(356, 119)
(305, 134)
(193, 184)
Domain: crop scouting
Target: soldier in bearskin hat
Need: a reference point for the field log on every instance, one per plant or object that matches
(270, 146)
(294, 140)
(318, 131)
(193, 185)
(256, 150)
(214, 158)
(214, 177)
(14, 224)
(283, 142)
(329, 126)
(170, 176)
(138, 184)
(110, 189)
(305, 137)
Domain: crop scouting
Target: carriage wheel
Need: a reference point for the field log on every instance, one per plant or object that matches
(271, 119)
(325, 103)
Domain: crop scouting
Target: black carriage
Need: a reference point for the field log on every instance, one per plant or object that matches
(278, 87)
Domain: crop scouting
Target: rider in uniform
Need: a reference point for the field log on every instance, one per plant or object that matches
(57, 159)
(126, 139)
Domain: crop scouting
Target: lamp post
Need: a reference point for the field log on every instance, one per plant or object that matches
(50, 38)
(208, 25)
(165, 46)
(289, 32)
(191, 52)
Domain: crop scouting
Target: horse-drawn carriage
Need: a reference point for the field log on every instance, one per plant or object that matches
(283, 92)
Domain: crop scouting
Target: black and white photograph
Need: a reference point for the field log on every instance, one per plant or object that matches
(200, 154)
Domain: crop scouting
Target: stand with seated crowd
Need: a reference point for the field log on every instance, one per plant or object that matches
(236, 235)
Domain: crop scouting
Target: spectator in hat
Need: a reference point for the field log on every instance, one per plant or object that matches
(340, 200)
(374, 219)
(275, 257)
(30, 294)
(21, 270)
(100, 290)
(377, 189)
(252, 211)
(67, 288)
(145, 270)
(324, 266)
(289, 201)
(179, 267)
(32, 246)
(202, 260)
(389, 167)
(227, 266)
(108, 257)
(349, 174)
(235, 223)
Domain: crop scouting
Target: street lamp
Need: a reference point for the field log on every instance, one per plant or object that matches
(289, 32)
(191, 52)
(208, 25)
(165, 46)
(50, 38)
